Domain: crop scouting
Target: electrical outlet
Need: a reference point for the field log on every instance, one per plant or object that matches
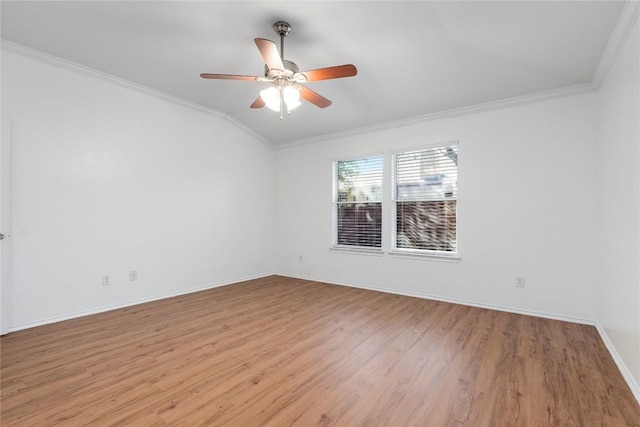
(106, 280)
(133, 275)
(520, 282)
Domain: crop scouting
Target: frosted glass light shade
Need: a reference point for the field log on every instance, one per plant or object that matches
(291, 97)
(271, 97)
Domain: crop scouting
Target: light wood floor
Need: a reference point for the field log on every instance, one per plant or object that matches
(280, 351)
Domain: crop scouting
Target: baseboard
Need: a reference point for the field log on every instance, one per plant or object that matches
(82, 313)
(469, 303)
(622, 367)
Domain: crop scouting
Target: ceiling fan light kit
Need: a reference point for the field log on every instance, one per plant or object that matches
(285, 77)
(274, 97)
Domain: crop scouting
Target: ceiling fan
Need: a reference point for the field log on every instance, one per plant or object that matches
(285, 76)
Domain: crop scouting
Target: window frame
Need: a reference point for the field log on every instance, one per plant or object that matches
(335, 246)
(395, 251)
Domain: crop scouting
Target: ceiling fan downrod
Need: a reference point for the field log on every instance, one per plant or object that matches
(283, 29)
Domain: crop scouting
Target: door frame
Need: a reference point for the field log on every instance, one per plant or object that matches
(5, 225)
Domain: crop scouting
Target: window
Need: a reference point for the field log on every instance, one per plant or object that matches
(425, 200)
(357, 199)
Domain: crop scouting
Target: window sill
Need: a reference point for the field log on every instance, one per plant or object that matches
(422, 255)
(357, 250)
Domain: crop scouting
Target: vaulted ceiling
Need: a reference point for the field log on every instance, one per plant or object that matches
(414, 58)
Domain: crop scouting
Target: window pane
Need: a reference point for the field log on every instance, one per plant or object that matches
(360, 180)
(430, 174)
(360, 224)
(426, 225)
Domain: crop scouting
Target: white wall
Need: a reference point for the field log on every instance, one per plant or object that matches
(527, 207)
(618, 290)
(106, 179)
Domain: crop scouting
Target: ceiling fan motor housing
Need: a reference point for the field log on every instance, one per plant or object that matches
(290, 69)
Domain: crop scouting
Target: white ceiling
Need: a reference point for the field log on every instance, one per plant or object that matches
(414, 58)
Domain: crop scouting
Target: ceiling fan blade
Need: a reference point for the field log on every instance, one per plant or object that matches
(227, 76)
(258, 103)
(269, 52)
(336, 72)
(314, 97)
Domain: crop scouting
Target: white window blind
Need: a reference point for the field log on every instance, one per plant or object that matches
(357, 198)
(425, 192)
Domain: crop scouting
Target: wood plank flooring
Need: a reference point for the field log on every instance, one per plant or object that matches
(279, 351)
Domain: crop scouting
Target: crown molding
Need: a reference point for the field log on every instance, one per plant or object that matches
(463, 111)
(110, 78)
(621, 31)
